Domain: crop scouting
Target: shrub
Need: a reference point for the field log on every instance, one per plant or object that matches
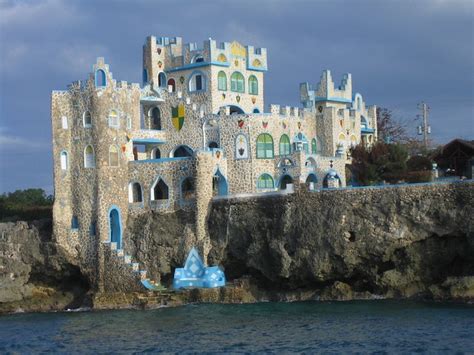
(419, 163)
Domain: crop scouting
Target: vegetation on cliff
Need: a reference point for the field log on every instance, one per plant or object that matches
(25, 205)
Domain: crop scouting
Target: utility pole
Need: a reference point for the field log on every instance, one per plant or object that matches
(425, 128)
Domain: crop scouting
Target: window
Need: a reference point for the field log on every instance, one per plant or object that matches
(87, 119)
(74, 223)
(160, 191)
(129, 122)
(196, 82)
(182, 151)
(188, 190)
(100, 79)
(93, 229)
(155, 118)
(198, 58)
(113, 156)
(285, 146)
(162, 80)
(172, 83)
(114, 119)
(145, 77)
(89, 158)
(213, 145)
(237, 82)
(358, 103)
(265, 181)
(155, 154)
(222, 81)
(256, 110)
(134, 192)
(265, 146)
(253, 85)
(64, 122)
(314, 146)
(64, 161)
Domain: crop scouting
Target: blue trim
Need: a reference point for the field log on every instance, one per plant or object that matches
(223, 190)
(367, 130)
(148, 140)
(161, 160)
(197, 65)
(235, 146)
(203, 81)
(115, 207)
(261, 69)
(315, 176)
(104, 78)
(333, 99)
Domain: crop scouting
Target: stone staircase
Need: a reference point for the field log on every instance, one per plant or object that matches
(126, 264)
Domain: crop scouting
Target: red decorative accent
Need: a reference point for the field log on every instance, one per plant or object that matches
(124, 148)
(218, 154)
(265, 124)
(160, 64)
(158, 50)
(241, 123)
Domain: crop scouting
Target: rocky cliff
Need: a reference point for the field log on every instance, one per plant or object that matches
(399, 241)
(35, 273)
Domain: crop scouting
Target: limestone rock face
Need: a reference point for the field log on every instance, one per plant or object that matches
(397, 242)
(34, 272)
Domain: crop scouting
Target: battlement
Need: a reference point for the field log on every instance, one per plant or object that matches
(177, 55)
(326, 90)
(285, 110)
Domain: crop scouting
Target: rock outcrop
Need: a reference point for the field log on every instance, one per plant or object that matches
(35, 273)
(400, 241)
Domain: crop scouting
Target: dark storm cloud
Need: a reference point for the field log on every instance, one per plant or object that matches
(399, 53)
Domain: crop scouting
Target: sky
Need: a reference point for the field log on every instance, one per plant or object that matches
(400, 53)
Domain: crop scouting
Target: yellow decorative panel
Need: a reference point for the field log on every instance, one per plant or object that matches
(256, 63)
(238, 50)
(222, 58)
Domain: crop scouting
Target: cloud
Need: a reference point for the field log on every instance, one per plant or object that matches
(9, 142)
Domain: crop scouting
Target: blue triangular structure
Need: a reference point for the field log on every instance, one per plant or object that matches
(195, 274)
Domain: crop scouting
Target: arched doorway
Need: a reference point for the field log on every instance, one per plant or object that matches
(284, 181)
(219, 184)
(182, 151)
(235, 110)
(311, 181)
(115, 227)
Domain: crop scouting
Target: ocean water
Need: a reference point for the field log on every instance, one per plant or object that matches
(307, 327)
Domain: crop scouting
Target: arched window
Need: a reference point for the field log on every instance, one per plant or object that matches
(363, 122)
(237, 82)
(285, 146)
(64, 160)
(135, 192)
(197, 82)
(100, 79)
(222, 81)
(160, 190)
(172, 83)
(89, 158)
(264, 146)
(253, 85)
(284, 181)
(87, 119)
(198, 58)
(213, 145)
(155, 118)
(188, 190)
(182, 151)
(162, 80)
(358, 103)
(256, 110)
(314, 146)
(145, 77)
(156, 154)
(265, 181)
(64, 122)
(113, 156)
(114, 119)
(311, 181)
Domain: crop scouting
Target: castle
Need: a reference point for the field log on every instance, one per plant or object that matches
(195, 129)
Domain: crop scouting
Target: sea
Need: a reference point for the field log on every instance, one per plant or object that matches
(364, 327)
